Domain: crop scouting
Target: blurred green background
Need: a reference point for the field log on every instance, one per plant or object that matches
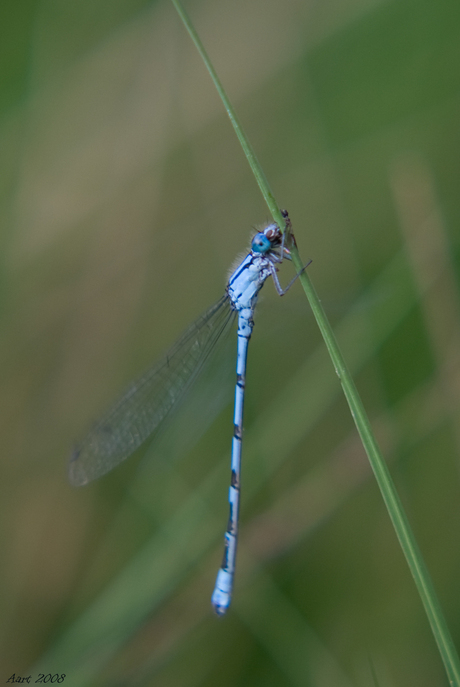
(124, 200)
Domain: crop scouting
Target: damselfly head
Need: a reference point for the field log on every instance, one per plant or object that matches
(261, 243)
(273, 234)
(266, 240)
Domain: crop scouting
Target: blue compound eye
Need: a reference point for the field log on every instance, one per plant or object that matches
(260, 243)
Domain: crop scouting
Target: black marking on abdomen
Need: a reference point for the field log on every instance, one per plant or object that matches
(237, 432)
(232, 525)
(240, 381)
(235, 480)
(224, 565)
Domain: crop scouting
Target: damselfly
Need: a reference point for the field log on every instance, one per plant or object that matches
(149, 399)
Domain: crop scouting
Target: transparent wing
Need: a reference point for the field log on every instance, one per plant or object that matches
(147, 401)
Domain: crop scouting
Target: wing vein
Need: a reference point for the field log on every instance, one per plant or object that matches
(150, 398)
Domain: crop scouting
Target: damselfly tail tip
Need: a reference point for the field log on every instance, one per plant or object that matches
(220, 603)
(222, 594)
(220, 610)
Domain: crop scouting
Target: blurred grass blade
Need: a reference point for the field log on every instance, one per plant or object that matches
(381, 472)
(390, 496)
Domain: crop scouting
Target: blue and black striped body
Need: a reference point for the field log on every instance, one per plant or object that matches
(243, 288)
(133, 418)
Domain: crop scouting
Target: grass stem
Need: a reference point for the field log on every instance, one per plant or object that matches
(390, 496)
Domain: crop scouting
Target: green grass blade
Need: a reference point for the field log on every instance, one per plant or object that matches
(390, 496)
(386, 485)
